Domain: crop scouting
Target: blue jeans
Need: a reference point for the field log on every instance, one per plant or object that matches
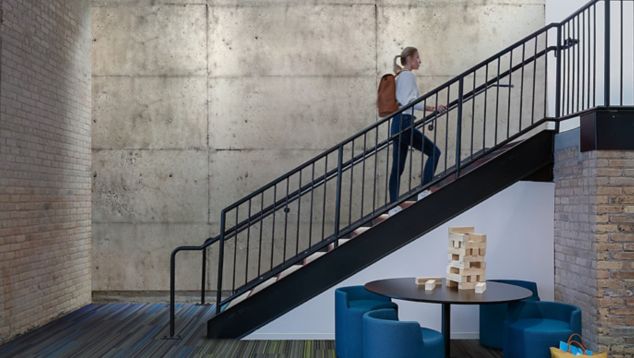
(409, 137)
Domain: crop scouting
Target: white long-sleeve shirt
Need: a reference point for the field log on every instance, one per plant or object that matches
(407, 90)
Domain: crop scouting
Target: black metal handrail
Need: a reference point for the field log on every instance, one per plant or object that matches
(569, 38)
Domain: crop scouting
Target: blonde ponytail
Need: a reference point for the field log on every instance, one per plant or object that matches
(397, 67)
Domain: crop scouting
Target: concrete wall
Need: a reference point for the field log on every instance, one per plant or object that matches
(519, 226)
(45, 154)
(197, 104)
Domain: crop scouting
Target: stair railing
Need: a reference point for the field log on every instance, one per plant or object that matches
(502, 99)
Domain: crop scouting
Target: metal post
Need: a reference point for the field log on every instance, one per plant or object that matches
(606, 64)
(221, 254)
(558, 80)
(203, 278)
(459, 129)
(172, 292)
(338, 200)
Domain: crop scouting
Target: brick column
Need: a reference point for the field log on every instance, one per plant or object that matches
(594, 241)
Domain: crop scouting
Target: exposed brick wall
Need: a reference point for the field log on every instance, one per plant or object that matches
(594, 244)
(45, 159)
(575, 258)
(614, 237)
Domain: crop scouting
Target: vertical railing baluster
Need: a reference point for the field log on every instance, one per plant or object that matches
(411, 154)
(535, 78)
(607, 62)
(484, 116)
(261, 229)
(312, 196)
(387, 160)
(594, 56)
(508, 108)
(338, 198)
(577, 60)
(422, 156)
(246, 264)
(299, 211)
(221, 256)
(558, 78)
(323, 209)
(621, 56)
(447, 123)
(397, 148)
(583, 58)
(436, 125)
(286, 211)
(365, 143)
(473, 103)
(203, 283)
(376, 163)
(351, 184)
(588, 38)
(459, 128)
(235, 252)
(522, 86)
(568, 70)
(497, 103)
(273, 225)
(546, 78)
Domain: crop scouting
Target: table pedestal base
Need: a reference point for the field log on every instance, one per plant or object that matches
(446, 327)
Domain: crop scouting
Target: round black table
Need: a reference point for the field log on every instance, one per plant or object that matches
(406, 289)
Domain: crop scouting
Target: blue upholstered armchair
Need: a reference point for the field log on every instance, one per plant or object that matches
(492, 316)
(350, 305)
(532, 327)
(385, 336)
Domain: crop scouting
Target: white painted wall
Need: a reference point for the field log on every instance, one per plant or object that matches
(519, 226)
(558, 10)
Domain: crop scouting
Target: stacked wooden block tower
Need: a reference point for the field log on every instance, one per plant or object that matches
(466, 258)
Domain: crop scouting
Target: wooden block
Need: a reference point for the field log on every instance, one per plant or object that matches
(461, 285)
(465, 271)
(465, 251)
(430, 285)
(454, 236)
(461, 230)
(466, 285)
(467, 264)
(465, 278)
(480, 287)
(420, 281)
(476, 237)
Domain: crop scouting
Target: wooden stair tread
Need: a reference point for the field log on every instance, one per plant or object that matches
(341, 242)
(239, 299)
(381, 218)
(360, 231)
(313, 257)
(288, 271)
(263, 285)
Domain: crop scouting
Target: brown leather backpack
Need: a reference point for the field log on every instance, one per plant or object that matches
(386, 97)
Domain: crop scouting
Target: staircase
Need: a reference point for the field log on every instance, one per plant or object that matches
(330, 217)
